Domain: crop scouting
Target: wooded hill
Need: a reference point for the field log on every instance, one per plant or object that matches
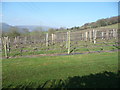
(99, 23)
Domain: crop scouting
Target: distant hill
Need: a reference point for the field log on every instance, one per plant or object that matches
(104, 22)
(6, 27)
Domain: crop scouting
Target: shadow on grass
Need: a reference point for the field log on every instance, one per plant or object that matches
(99, 80)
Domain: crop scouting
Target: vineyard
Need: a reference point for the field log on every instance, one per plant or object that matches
(61, 43)
(62, 59)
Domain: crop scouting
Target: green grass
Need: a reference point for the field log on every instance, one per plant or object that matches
(115, 26)
(38, 70)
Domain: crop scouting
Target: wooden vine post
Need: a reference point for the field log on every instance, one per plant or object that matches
(46, 39)
(86, 36)
(107, 34)
(16, 41)
(69, 42)
(94, 36)
(90, 37)
(114, 33)
(6, 44)
(53, 38)
(102, 34)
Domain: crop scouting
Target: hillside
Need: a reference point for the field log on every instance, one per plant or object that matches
(105, 22)
(112, 26)
(6, 27)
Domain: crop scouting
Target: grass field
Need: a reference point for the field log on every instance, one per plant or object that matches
(115, 26)
(88, 70)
